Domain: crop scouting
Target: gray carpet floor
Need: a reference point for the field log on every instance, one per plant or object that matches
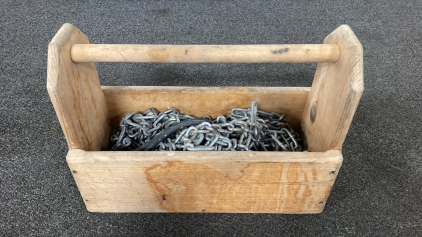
(378, 190)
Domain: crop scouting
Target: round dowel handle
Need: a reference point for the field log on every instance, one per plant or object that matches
(135, 53)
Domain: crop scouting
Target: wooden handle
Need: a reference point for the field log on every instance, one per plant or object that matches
(282, 53)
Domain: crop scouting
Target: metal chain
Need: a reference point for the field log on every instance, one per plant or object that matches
(242, 130)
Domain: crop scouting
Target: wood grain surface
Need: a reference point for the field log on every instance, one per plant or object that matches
(138, 53)
(246, 182)
(76, 94)
(335, 94)
(201, 101)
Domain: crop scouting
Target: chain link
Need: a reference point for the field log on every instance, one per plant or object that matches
(243, 130)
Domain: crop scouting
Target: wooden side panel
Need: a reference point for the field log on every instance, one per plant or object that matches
(76, 93)
(201, 101)
(238, 182)
(335, 94)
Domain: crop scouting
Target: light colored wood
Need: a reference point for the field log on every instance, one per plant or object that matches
(241, 182)
(335, 94)
(212, 181)
(205, 53)
(76, 93)
(201, 101)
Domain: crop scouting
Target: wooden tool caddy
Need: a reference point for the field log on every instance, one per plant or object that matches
(208, 181)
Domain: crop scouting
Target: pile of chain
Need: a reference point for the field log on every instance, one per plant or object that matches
(242, 130)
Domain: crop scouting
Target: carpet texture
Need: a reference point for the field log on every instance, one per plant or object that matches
(378, 190)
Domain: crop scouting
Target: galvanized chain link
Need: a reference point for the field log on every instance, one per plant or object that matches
(242, 130)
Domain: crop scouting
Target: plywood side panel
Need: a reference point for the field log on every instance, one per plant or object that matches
(201, 101)
(238, 182)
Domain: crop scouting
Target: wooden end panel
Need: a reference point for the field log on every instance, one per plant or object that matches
(201, 101)
(335, 94)
(76, 94)
(234, 182)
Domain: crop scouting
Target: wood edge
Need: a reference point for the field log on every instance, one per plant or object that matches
(81, 156)
(91, 209)
(119, 89)
(339, 164)
(53, 70)
(356, 82)
(64, 32)
(52, 65)
(54, 53)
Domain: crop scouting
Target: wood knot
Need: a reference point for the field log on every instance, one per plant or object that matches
(313, 113)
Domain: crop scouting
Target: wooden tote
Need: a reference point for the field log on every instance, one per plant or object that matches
(207, 181)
